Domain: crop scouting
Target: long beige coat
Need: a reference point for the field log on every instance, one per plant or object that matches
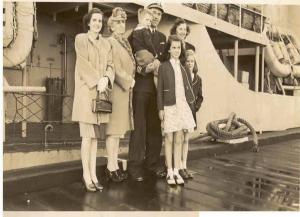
(93, 61)
(119, 121)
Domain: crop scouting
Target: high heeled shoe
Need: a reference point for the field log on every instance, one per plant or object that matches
(98, 186)
(113, 175)
(89, 187)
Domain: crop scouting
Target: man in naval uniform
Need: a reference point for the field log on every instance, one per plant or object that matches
(146, 139)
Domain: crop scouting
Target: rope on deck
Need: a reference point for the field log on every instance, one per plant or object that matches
(235, 128)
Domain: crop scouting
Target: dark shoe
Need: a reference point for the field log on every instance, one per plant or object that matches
(183, 174)
(159, 173)
(123, 174)
(137, 178)
(113, 175)
(89, 187)
(190, 175)
(98, 186)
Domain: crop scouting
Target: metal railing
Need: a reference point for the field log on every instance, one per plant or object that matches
(235, 14)
(27, 108)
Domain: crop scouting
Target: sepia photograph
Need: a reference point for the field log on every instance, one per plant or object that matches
(150, 106)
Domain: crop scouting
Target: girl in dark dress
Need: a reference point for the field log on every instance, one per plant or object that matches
(191, 67)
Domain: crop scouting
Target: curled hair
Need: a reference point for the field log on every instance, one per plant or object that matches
(177, 23)
(87, 18)
(168, 46)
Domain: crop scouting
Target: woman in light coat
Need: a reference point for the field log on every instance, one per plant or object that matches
(94, 71)
(121, 119)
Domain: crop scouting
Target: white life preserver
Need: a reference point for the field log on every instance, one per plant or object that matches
(278, 69)
(296, 71)
(277, 50)
(295, 56)
(286, 56)
(8, 23)
(19, 48)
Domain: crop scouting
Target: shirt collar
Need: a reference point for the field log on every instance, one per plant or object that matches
(175, 62)
(139, 26)
(153, 30)
(91, 36)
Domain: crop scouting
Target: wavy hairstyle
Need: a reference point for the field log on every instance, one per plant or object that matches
(167, 56)
(178, 22)
(87, 18)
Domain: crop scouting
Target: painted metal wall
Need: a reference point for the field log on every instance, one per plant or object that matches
(223, 95)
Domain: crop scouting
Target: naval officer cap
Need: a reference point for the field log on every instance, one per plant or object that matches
(157, 6)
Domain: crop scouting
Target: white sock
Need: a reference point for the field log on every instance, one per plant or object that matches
(170, 172)
(176, 171)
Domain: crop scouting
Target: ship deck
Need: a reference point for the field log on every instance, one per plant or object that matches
(268, 180)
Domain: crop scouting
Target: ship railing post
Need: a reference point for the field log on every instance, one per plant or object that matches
(24, 102)
(240, 20)
(236, 55)
(256, 67)
(261, 20)
(262, 68)
(90, 6)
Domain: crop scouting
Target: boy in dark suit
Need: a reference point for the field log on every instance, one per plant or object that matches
(142, 45)
(146, 139)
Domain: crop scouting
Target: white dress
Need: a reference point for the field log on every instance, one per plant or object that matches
(179, 116)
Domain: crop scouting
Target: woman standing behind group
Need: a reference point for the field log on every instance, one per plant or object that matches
(182, 30)
(94, 71)
(121, 119)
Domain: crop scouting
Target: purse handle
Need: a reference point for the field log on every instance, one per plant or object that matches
(102, 93)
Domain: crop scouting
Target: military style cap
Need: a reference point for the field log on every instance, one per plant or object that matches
(156, 5)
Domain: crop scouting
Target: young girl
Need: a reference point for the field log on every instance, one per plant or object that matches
(192, 68)
(175, 99)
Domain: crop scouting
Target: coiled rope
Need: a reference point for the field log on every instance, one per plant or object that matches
(235, 128)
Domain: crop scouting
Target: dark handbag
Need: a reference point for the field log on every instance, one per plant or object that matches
(102, 104)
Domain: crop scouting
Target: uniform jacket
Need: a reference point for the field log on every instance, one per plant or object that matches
(166, 95)
(145, 82)
(121, 116)
(93, 61)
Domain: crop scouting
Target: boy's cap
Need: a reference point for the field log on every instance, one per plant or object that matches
(156, 5)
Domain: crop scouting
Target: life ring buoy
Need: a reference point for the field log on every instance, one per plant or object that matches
(277, 50)
(8, 23)
(278, 69)
(286, 56)
(293, 52)
(19, 49)
(296, 71)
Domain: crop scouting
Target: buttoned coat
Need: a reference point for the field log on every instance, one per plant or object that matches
(121, 118)
(93, 61)
(166, 94)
